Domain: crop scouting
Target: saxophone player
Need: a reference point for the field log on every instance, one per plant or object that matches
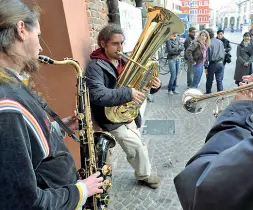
(219, 176)
(37, 170)
(102, 73)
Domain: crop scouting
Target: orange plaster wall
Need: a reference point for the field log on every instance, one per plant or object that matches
(65, 33)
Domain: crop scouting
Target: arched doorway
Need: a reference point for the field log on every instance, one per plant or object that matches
(225, 22)
(238, 23)
(232, 22)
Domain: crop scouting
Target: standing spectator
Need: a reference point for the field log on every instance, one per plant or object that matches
(196, 55)
(214, 64)
(188, 40)
(244, 59)
(251, 33)
(227, 46)
(174, 48)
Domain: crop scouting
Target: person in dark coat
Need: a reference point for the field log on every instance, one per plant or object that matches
(244, 59)
(37, 169)
(227, 46)
(102, 73)
(187, 42)
(219, 175)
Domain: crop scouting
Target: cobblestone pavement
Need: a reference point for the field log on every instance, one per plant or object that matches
(168, 153)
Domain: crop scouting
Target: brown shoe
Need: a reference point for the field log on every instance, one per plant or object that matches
(151, 181)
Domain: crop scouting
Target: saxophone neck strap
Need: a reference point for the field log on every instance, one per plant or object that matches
(45, 107)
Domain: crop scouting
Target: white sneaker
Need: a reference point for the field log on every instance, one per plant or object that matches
(175, 92)
(171, 93)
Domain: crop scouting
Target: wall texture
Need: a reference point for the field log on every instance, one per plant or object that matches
(97, 11)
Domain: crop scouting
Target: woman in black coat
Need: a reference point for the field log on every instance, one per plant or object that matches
(244, 59)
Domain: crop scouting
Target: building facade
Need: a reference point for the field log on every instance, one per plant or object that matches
(172, 5)
(228, 17)
(244, 11)
(199, 12)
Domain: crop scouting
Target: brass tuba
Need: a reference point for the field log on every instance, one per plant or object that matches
(140, 70)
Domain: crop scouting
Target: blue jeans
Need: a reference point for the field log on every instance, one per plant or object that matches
(174, 65)
(197, 74)
(216, 69)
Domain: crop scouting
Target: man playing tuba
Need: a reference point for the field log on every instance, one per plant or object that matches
(102, 74)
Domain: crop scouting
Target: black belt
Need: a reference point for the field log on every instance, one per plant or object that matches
(217, 61)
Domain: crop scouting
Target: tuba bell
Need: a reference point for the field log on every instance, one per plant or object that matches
(139, 70)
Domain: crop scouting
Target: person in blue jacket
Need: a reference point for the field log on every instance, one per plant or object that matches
(219, 176)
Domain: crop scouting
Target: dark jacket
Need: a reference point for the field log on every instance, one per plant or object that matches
(101, 81)
(226, 44)
(174, 48)
(187, 43)
(194, 52)
(227, 48)
(37, 169)
(219, 176)
(244, 55)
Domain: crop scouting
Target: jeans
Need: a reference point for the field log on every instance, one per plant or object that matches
(217, 69)
(189, 73)
(197, 74)
(174, 65)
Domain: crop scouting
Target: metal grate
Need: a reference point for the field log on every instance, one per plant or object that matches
(159, 127)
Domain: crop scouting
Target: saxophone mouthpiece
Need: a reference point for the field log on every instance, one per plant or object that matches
(45, 59)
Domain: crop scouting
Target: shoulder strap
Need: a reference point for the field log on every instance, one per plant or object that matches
(44, 106)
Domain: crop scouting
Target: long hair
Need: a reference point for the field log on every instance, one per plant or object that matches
(208, 41)
(11, 12)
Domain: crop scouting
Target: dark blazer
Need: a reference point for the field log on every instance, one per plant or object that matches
(219, 176)
(174, 48)
(187, 43)
(244, 55)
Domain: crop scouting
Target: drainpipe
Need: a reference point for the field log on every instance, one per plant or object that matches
(138, 3)
(113, 7)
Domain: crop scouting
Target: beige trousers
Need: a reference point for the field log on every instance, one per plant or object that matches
(129, 138)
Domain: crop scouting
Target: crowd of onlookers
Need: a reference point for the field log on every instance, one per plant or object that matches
(203, 52)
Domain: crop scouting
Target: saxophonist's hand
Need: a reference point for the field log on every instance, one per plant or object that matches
(71, 121)
(93, 184)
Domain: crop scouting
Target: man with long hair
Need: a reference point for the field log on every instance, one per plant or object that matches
(102, 73)
(37, 169)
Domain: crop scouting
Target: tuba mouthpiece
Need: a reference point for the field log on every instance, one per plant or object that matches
(119, 53)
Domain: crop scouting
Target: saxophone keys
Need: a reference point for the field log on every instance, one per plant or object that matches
(81, 133)
(107, 170)
(80, 116)
(107, 184)
(106, 201)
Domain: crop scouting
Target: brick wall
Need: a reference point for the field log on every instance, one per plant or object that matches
(97, 11)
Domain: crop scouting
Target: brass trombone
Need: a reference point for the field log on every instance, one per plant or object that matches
(194, 101)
